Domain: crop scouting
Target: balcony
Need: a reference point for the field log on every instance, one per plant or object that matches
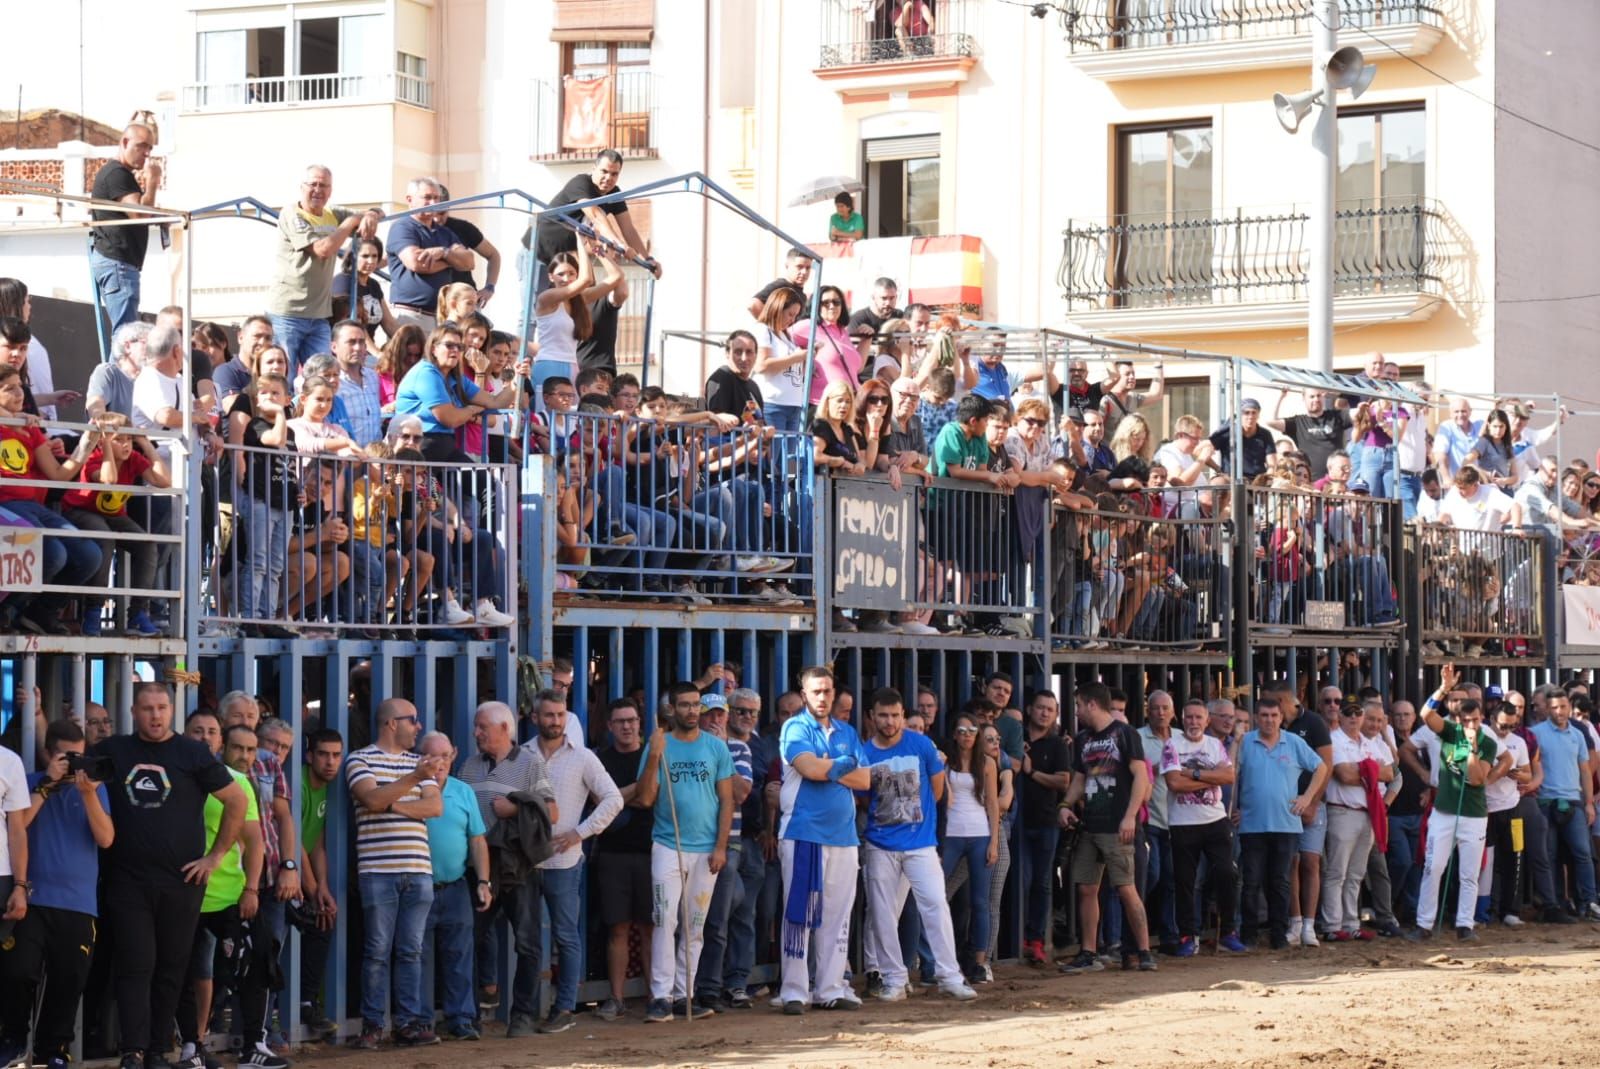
(1125, 40)
(944, 272)
(1250, 272)
(870, 47)
(619, 114)
(313, 90)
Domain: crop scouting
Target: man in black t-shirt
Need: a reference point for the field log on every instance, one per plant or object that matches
(1257, 441)
(622, 854)
(470, 236)
(118, 253)
(156, 870)
(554, 235)
(1305, 875)
(1046, 774)
(1112, 779)
(796, 270)
(729, 389)
(884, 294)
(1318, 433)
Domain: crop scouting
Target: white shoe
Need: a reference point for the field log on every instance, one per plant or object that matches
(958, 991)
(687, 592)
(915, 628)
(489, 616)
(1295, 924)
(752, 564)
(892, 994)
(1511, 920)
(880, 626)
(779, 564)
(454, 614)
(1308, 934)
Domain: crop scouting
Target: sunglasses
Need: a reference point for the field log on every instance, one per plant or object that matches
(832, 304)
(966, 731)
(1332, 701)
(405, 720)
(876, 399)
(1035, 421)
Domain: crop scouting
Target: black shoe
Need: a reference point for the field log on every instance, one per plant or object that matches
(558, 1021)
(693, 1011)
(1147, 961)
(1419, 935)
(714, 1003)
(1390, 930)
(131, 1060)
(1278, 942)
(1085, 961)
(1466, 935)
(1556, 915)
(156, 1060)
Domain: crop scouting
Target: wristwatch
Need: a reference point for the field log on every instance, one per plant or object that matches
(287, 865)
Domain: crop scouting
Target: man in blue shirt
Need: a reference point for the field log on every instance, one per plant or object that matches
(458, 888)
(1270, 806)
(68, 824)
(1564, 796)
(907, 782)
(996, 382)
(822, 764)
(423, 252)
(689, 846)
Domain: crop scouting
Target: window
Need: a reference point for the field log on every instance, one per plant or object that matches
(1163, 182)
(1380, 190)
(1182, 398)
(411, 85)
(340, 57)
(627, 64)
(902, 194)
(239, 66)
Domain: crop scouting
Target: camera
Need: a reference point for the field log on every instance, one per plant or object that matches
(98, 768)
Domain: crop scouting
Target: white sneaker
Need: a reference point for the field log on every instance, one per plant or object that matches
(958, 991)
(752, 564)
(454, 614)
(914, 628)
(687, 592)
(1511, 920)
(780, 564)
(1308, 934)
(892, 994)
(1295, 924)
(489, 616)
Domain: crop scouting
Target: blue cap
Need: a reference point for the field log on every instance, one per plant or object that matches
(713, 701)
(1494, 691)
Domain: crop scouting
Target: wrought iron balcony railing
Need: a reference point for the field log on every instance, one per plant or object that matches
(630, 124)
(1389, 246)
(1112, 24)
(861, 32)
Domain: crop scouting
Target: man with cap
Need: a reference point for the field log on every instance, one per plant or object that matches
(1353, 538)
(1256, 441)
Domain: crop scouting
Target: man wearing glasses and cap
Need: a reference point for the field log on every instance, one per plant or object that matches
(1256, 442)
(728, 893)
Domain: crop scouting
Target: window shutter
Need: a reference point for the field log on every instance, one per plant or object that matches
(902, 148)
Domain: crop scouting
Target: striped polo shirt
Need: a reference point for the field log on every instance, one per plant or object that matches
(387, 843)
(523, 769)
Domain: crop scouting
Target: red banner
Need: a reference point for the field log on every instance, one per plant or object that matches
(586, 113)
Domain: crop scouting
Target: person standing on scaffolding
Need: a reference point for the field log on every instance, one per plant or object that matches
(553, 234)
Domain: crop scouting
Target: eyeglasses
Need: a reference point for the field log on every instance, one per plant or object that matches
(746, 710)
(832, 304)
(405, 720)
(1035, 421)
(408, 436)
(452, 346)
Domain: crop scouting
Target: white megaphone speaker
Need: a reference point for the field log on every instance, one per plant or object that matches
(1292, 109)
(1348, 69)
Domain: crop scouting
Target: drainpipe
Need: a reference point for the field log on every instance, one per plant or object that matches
(705, 202)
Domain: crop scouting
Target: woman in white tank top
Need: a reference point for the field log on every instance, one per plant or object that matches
(972, 824)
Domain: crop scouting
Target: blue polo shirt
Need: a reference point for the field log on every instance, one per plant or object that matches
(818, 812)
(449, 832)
(63, 860)
(900, 806)
(995, 383)
(405, 285)
(424, 388)
(1564, 753)
(1269, 782)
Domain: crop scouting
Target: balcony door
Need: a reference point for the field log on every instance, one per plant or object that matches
(902, 180)
(1380, 229)
(1162, 237)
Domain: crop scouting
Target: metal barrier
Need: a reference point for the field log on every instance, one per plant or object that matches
(1151, 573)
(688, 506)
(110, 530)
(1482, 592)
(1321, 562)
(344, 544)
(1101, 24)
(853, 33)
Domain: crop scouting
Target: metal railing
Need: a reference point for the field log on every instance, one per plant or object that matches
(697, 512)
(1482, 592)
(1146, 570)
(1389, 246)
(893, 31)
(1105, 24)
(308, 89)
(631, 129)
(336, 544)
(1321, 562)
(130, 526)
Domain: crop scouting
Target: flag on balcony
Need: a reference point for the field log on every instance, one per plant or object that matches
(945, 271)
(586, 113)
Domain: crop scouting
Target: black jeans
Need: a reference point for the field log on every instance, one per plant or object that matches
(52, 946)
(1215, 841)
(233, 966)
(314, 947)
(1265, 858)
(154, 926)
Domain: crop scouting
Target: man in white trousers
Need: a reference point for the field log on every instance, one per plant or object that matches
(1460, 819)
(822, 764)
(693, 800)
(907, 783)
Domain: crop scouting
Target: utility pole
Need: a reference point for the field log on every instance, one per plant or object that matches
(1325, 146)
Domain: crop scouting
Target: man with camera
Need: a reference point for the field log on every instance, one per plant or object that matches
(66, 825)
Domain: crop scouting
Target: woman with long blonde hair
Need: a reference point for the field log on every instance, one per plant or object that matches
(1133, 438)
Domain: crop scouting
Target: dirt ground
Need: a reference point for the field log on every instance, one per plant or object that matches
(1380, 1005)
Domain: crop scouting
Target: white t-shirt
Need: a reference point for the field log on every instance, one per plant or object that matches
(1428, 743)
(1428, 508)
(786, 387)
(1348, 751)
(1485, 510)
(1182, 754)
(13, 796)
(41, 379)
(1413, 443)
(153, 391)
(1502, 793)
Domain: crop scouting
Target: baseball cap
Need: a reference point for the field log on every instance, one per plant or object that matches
(1494, 691)
(713, 701)
(1358, 485)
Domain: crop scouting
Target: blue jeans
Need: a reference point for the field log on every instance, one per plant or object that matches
(364, 600)
(447, 953)
(783, 417)
(651, 527)
(727, 894)
(267, 546)
(395, 908)
(742, 921)
(1405, 872)
(1038, 870)
(1161, 899)
(82, 555)
(118, 285)
(975, 848)
(1410, 491)
(560, 891)
(548, 369)
(737, 503)
(301, 338)
(1377, 470)
(1371, 574)
(1575, 833)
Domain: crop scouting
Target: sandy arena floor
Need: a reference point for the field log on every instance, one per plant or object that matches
(1380, 1005)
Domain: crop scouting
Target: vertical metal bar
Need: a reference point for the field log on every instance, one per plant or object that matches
(425, 685)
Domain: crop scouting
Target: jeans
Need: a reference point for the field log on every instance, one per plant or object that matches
(742, 920)
(1265, 858)
(447, 953)
(737, 503)
(267, 547)
(141, 574)
(651, 527)
(544, 370)
(711, 972)
(519, 903)
(301, 338)
(1574, 832)
(1161, 899)
(118, 286)
(82, 554)
(1377, 470)
(785, 418)
(559, 891)
(364, 601)
(1410, 491)
(975, 849)
(1038, 874)
(1405, 874)
(395, 907)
